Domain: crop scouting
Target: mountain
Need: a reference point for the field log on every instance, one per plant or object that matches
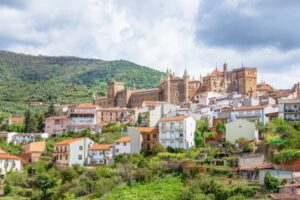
(27, 78)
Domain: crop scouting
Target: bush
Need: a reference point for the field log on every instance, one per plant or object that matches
(68, 175)
(286, 156)
(247, 148)
(7, 189)
(218, 171)
(271, 183)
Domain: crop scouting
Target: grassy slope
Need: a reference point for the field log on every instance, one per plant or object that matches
(26, 78)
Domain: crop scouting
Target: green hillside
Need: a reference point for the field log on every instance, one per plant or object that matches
(26, 78)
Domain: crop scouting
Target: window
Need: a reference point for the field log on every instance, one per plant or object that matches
(148, 137)
(154, 135)
(66, 157)
(117, 143)
(117, 150)
(79, 157)
(60, 157)
(124, 143)
(80, 147)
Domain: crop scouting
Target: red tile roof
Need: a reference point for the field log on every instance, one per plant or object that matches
(259, 107)
(124, 139)
(86, 105)
(100, 147)
(17, 119)
(146, 129)
(69, 141)
(175, 118)
(7, 156)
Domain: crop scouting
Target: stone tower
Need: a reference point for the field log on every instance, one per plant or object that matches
(186, 78)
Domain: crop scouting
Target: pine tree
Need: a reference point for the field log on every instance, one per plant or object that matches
(51, 111)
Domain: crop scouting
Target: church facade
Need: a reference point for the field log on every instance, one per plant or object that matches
(181, 89)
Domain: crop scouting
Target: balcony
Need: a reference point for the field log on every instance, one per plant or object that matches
(248, 115)
(292, 110)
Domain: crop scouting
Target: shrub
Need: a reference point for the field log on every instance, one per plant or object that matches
(247, 148)
(286, 155)
(271, 183)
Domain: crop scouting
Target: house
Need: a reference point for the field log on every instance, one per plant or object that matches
(289, 109)
(152, 111)
(143, 138)
(253, 113)
(123, 145)
(9, 163)
(32, 152)
(280, 174)
(72, 151)
(205, 98)
(100, 154)
(116, 115)
(290, 191)
(56, 124)
(22, 138)
(241, 129)
(15, 120)
(177, 131)
(84, 116)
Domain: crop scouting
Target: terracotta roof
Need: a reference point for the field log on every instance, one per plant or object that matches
(146, 129)
(100, 147)
(175, 118)
(264, 87)
(85, 105)
(259, 107)
(69, 141)
(216, 72)
(282, 196)
(58, 117)
(17, 119)
(7, 156)
(124, 139)
(266, 166)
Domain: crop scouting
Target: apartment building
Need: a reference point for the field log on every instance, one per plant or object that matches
(289, 109)
(177, 131)
(100, 154)
(72, 151)
(83, 116)
(254, 113)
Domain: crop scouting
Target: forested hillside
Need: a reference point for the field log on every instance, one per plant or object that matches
(26, 78)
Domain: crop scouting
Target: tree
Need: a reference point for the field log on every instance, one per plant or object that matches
(158, 148)
(271, 183)
(44, 182)
(51, 111)
(68, 175)
(221, 128)
(202, 132)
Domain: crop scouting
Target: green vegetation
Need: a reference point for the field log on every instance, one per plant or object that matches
(163, 188)
(64, 80)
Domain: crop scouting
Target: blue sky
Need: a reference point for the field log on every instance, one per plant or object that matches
(194, 34)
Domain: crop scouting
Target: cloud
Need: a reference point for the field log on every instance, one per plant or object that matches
(197, 34)
(248, 24)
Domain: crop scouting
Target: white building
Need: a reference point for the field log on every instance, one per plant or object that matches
(83, 116)
(177, 131)
(206, 98)
(152, 111)
(289, 109)
(122, 145)
(72, 151)
(100, 154)
(254, 113)
(241, 129)
(9, 163)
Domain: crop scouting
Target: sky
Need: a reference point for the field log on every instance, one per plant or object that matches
(197, 35)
